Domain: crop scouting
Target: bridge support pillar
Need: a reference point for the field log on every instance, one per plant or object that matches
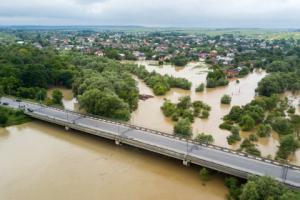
(186, 163)
(117, 142)
(67, 128)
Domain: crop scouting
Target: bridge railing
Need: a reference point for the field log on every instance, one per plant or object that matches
(212, 146)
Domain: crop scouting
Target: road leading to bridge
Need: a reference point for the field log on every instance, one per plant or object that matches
(217, 158)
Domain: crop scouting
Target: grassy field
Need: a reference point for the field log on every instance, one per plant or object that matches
(270, 34)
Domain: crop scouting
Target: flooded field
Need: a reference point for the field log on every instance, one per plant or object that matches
(149, 114)
(41, 161)
(69, 101)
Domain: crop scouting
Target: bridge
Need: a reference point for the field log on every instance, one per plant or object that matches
(217, 158)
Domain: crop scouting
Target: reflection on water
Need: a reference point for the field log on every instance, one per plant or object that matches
(40, 161)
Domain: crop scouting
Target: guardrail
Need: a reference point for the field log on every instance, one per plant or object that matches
(154, 148)
(150, 147)
(224, 149)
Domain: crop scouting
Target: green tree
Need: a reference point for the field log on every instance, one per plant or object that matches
(282, 126)
(250, 192)
(264, 130)
(204, 175)
(295, 119)
(57, 97)
(288, 145)
(203, 138)
(226, 99)
(105, 103)
(247, 123)
(3, 119)
(184, 102)
(168, 108)
(183, 128)
(200, 88)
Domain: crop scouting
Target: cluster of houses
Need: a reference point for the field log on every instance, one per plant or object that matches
(162, 47)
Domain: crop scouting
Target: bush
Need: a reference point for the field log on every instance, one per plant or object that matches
(249, 148)
(204, 114)
(168, 108)
(204, 175)
(253, 138)
(183, 128)
(216, 78)
(247, 123)
(57, 97)
(234, 186)
(282, 126)
(288, 145)
(200, 88)
(3, 119)
(266, 188)
(226, 126)
(226, 99)
(203, 138)
(232, 139)
(180, 61)
(235, 135)
(264, 130)
(234, 114)
(105, 103)
(185, 109)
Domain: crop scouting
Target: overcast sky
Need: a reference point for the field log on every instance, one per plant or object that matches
(180, 13)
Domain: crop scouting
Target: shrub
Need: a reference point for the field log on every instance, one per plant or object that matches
(203, 138)
(200, 88)
(264, 130)
(226, 99)
(183, 128)
(226, 126)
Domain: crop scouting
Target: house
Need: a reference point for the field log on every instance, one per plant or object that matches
(203, 55)
(231, 73)
(99, 53)
(213, 54)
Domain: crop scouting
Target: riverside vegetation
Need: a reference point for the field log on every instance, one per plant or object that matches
(184, 113)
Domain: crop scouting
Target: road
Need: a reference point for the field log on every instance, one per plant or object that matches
(210, 156)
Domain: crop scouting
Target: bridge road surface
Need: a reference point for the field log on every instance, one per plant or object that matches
(227, 162)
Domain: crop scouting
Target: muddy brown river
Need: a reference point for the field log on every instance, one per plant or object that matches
(149, 114)
(241, 93)
(41, 161)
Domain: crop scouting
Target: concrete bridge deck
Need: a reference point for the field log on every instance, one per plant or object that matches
(221, 159)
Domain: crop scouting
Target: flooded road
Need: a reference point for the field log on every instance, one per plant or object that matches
(41, 161)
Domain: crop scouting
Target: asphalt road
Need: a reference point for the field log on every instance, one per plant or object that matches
(226, 159)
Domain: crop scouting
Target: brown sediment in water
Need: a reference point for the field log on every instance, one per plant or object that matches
(41, 161)
(150, 115)
(69, 101)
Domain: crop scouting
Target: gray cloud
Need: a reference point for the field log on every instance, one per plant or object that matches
(89, 1)
(201, 13)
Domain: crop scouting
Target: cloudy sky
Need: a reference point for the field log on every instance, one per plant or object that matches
(189, 13)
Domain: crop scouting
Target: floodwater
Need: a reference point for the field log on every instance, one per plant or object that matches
(149, 114)
(69, 101)
(42, 161)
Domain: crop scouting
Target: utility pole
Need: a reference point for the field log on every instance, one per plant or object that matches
(285, 169)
